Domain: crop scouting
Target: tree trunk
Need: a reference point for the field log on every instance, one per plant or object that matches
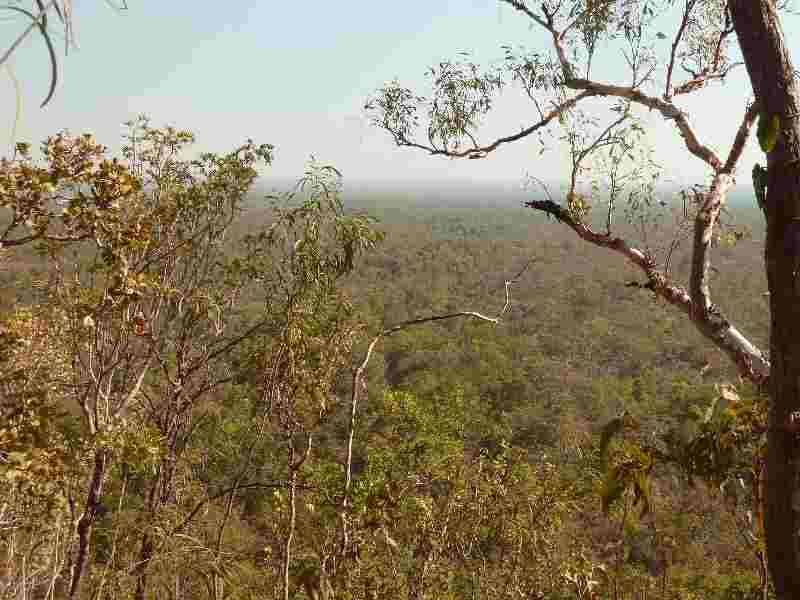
(772, 76)
(161, 493)
(87, 520)
(145, 555)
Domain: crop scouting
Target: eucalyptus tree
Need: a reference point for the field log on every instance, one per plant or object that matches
(701, 47)
(137, 310)
(300, 262)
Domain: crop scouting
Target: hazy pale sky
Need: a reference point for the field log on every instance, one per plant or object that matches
(296, 74)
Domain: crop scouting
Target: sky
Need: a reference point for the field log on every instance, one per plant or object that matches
(296, 75)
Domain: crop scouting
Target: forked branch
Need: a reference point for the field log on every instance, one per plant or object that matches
(667, 109)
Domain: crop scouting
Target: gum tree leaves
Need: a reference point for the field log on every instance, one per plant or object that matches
(769, 127)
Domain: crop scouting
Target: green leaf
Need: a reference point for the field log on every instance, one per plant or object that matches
(760, 178)
(768, 130)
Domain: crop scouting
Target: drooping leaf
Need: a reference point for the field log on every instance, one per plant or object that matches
(769, 127)
(42, 26)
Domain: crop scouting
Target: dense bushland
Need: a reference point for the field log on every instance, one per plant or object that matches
(184, 414)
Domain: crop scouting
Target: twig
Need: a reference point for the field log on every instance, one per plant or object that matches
(242, 486)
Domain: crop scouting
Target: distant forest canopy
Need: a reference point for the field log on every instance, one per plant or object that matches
(458, 209)
(454, 191)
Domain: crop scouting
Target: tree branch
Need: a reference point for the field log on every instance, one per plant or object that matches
(482, 151)
(751, 361)
(520, 6)
(603, 139)
(587, 88)
(687, 11)
(664, 106)
(701, 79)
(242, 486)
(667, 109)
(741, 138)
(359, 383)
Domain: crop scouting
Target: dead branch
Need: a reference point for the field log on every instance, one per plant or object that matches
(359, 383)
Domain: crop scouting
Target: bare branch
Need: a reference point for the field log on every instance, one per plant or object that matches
(136, 387)
(700, 79)
(709, 56)
(714, 325)
(549, 25)
(741, 138)
(241, 486)
(5, 243)
(703, 231)
(605, 138)
(520, 6)
(359, 382)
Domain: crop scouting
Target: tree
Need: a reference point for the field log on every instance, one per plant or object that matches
(137, 316)
(560, 85)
